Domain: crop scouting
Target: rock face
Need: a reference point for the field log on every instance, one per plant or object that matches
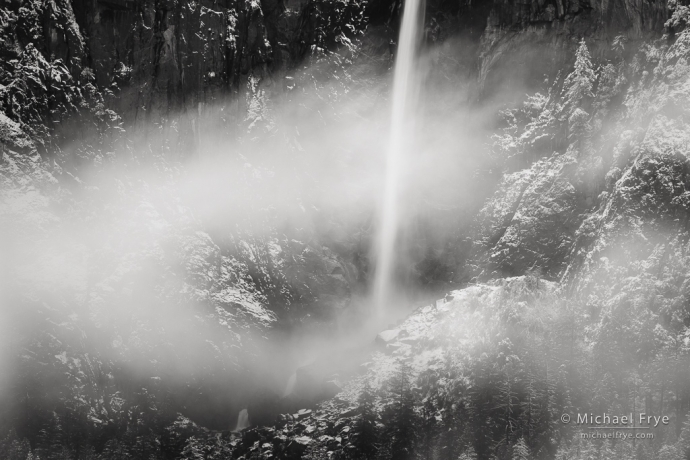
(595, 192)
(537, 37)
(143, 276)
(157, 60)
(168, 57)
(177, 57)
(589, 186)
(152, 62)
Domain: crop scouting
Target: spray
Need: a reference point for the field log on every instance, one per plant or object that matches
(242, 421)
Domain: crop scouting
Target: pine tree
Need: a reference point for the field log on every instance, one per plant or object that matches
(221, 449)
(146, 445)
(452, 430)
(482, 411)
(563, 453)
(579, 83)
(618, 44)
(51, 445)
(469, 454)
(455, 415)
(683, 442)
(114, 450)
(627, 450)
(535, 419)
(428, 429)
(529, 405)
(366, 436)
(401, 428)
(606, 452)
(193, 450)
(583, 449)
(509, 403)
(521, 451)
(578, 87)
(11, 448)
(670, 452)
(88, 453)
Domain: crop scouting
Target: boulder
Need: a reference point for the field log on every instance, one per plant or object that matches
(386, 337)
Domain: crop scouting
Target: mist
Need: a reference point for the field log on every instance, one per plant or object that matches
(158, 266)
(327, 230)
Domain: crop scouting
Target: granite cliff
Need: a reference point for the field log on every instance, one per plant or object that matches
(106, 108)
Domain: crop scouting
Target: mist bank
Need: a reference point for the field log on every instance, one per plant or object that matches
(590, 210)
(159, 261)
(149, 289)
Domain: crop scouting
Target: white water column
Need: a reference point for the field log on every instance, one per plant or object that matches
(405, 90)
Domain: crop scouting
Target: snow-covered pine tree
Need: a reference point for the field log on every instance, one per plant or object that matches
(193, 450)
(366, 436)
(521, 451)
(402, 424)
(469, 454)
(12, 448)
(579, 83)
(114, 450)
(427, 429)
(578, 93)
(670, 452)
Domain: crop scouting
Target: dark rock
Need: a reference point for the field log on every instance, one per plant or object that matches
(297, 446)
(349, 412)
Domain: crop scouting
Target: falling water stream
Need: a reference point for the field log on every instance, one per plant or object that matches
(405, 89)
(290, 387)
(242, 421)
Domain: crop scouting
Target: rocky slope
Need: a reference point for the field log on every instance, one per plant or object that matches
(100, 101)
(593, 199)
(152, 62)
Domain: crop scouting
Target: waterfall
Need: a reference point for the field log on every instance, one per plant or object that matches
(405, 88)
(242, 421)
(290, 385)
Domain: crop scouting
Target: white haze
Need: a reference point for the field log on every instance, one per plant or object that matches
(317, 171)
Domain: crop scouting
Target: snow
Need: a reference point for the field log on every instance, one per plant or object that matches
(388, 336)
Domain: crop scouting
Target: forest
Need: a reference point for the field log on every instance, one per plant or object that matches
(187, 222)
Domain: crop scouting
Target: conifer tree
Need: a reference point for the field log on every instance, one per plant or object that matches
(606, 452)
(114, 450)
(193, 450)
(579, 83)
(88, 453)
(529, 405)
(452, 429)
(427, 429)
(469, 454)
(11, 448)
(366, 436)
(402, 425)
(455, 416)
(578, 93)
(50, 444)
(521, 451)
(509, 404)
(670, 452)
(563, 453)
